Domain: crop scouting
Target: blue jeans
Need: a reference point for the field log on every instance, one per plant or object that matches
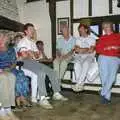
(108, 67)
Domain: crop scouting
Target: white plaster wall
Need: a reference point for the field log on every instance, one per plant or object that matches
(100, 7)
(80, 8)
(38, 14)
(20, 6)
(8, 8)
(63, 9)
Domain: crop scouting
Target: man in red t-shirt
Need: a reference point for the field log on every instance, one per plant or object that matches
(108, 48)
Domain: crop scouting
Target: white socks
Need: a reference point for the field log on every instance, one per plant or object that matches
(7, 110)
(2, 112)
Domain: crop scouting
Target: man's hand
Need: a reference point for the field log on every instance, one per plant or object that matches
(66, 56)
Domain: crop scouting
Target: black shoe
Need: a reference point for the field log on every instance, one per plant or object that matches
(105, 101)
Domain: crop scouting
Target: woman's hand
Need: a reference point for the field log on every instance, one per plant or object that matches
(77, 49)
(112, 47)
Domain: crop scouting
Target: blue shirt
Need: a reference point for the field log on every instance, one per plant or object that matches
(7, 58)
(65, 46)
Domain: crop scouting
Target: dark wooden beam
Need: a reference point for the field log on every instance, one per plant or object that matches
(117, 28)
(56, 0)
(110, 7)
(100, 19)
(6, 23)
(52, 13)
(71, 15)
(31, 1)
(100, 29)
(90, 8)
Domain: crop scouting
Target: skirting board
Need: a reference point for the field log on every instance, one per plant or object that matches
(91, 88)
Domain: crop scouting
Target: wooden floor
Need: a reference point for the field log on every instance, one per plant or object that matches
(81, 106)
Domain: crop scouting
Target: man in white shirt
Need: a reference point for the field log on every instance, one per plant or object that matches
(84, 56)
(28, 50)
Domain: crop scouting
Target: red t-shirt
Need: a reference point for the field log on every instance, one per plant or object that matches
(109, 45)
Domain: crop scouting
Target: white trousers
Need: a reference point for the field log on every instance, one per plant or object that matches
(81, 66)
(33, 82)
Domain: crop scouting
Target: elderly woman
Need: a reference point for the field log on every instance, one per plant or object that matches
(7, 81)
(8, 62)
(108, 48)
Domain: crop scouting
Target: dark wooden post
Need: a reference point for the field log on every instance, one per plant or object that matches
(52, 13)
(71, 15)
(110, 7)
(90, 8)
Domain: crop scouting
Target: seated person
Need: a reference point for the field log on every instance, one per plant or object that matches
(8, 62)
(13, 41)
(84, 56)
(7, 81)
(64, 52)
(17, 38)
(29, 52)
(108, 48)
(40, 46)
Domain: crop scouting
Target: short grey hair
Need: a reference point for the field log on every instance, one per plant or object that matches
(4, 32)
(8, 34)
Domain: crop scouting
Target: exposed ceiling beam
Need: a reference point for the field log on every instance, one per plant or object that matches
(6, 23)
(56, 0)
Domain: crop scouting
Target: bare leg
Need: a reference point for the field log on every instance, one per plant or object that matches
(18, 101)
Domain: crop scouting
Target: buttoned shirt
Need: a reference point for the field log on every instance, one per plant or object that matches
(65, 46)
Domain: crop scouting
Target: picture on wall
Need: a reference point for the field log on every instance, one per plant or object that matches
(62, 22)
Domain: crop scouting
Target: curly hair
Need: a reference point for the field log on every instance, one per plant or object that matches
(85, 27)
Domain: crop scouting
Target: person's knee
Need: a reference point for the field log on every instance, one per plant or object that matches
(11, 75)
(3, 76)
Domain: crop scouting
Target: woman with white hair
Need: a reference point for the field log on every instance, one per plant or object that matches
(108, 48)
(7, 81)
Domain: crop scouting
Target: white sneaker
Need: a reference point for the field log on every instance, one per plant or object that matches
(77, 87)
(45, 104)
(58, 96)
(34, 100)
